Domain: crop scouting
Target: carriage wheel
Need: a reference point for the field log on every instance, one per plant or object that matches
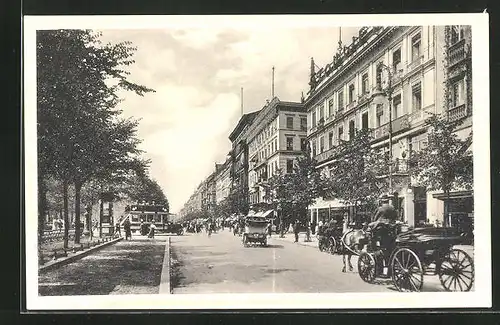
(456, 271)
(332, 245)
(366, 267)
(407, 272)
(321, 245)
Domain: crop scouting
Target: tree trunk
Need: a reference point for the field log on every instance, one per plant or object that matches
(66, 213)
(101, 211)
(78, 188)
(447, 220)
(42, 205)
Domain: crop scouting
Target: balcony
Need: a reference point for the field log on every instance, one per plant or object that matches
(399, 124)
(351, 105)
(363, 98)
(456, 53)
(397, 74)
(321, 122)
(419, 116)
(400, 166)
(415, 63)
(325, 155)
(457, 113)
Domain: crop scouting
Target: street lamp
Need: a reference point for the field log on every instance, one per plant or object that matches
(379, 97)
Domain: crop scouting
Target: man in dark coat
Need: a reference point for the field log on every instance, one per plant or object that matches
(296, 227)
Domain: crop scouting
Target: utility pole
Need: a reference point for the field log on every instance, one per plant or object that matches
(272, 90)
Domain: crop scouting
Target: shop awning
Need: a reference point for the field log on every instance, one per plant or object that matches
(267, 213)
(258, 214)
(454, 195)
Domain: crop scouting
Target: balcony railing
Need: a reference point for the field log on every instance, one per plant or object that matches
(400, 166)
(456, 52)
(416, 63)
(457, 113)
(420, 115)
(325, 155)
(351, 105)
(363, 98)
(399, 124)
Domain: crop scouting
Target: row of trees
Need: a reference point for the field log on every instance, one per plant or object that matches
(358, 174)
(84, 143)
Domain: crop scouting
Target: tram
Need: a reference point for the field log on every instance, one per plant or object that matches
(147, 212)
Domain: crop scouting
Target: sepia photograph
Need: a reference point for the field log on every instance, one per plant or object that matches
(279, 161)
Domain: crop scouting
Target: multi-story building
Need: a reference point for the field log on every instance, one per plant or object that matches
(222, 181)
(193, 204)
(340, 102)
(275, 139)
(208, 194)
(239, 158)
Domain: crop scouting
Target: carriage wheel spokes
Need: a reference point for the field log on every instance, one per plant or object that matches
(406, 269)
(456, 271)
(332, 245)
(366, 267)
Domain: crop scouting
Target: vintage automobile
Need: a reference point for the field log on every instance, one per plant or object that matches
(255, 231)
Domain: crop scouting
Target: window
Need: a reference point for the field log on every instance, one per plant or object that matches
(276, 144)
(313, 122)
(330, 139)
(352, 130)
(457, 93)
(303, 144)
(289, 122)
(289, 143)
(340, 101)
(303, 123)
(321, 144)
(396, 60)
(313, 148)
(380, 115)
(351, 93)
(416, 92)
(321, 112)
(396, 103)
(415, 47)
(330, 106)
(341, 133)
(289, 166)
(364, 83)
(364, 121)
(276, 166)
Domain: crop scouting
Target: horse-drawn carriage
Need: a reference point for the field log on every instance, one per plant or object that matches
(329, 238)
(407, 256)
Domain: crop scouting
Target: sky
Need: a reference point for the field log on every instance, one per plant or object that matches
(197, 74)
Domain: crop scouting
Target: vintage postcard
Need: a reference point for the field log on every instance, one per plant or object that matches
(263, 162)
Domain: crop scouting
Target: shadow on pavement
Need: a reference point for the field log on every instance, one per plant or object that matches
(131, 264)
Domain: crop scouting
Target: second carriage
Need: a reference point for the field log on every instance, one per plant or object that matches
(406, 257)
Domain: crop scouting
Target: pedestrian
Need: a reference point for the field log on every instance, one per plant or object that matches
(126, 228)
(118, 230)
(296, 230)
(152, 228)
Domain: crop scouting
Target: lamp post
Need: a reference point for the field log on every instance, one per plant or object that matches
(379, 97)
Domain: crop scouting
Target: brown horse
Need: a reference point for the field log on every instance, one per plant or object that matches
(351, 244)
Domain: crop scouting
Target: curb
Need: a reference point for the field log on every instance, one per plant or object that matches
(58, 263)
(165, 271)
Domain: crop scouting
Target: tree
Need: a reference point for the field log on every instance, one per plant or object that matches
(80, 134)
(357, 173)
(445, 163)
(297, 190)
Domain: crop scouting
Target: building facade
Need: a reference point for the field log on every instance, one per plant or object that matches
(239, 159)
(223, 181)
(276, 138)
(340, 102)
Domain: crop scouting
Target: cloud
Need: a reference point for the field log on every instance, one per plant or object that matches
(197, 75)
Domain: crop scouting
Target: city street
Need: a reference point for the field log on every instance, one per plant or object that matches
(127, 267)
(220, 264)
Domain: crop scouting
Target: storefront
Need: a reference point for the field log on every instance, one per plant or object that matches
(460, 210)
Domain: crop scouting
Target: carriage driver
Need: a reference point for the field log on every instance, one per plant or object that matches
(386, 214)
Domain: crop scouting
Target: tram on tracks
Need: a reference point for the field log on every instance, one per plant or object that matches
(145, 213)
